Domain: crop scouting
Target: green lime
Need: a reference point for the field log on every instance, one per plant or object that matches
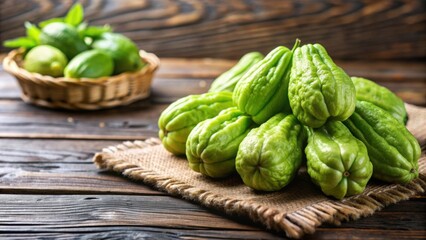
(63, 37)
(123, 51)
(90, 64)
(46, 60)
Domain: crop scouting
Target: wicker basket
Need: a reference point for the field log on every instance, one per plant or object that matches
(86, 93)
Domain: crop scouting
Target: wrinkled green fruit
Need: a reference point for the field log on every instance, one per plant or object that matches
(337, 161)
(392, 149)
(270, 156)
(227, 80)
(262, 91)
(63, 37)
(90, 64)
(177, 120)
(213, 144)
(122, 50)
(319, 90)
(367, 90)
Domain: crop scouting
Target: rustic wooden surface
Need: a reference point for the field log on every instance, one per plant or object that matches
(372, 29)
(49, 187)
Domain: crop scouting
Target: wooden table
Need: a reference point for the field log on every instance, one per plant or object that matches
(49, 187)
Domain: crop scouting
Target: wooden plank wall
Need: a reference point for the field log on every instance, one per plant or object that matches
(355, 29)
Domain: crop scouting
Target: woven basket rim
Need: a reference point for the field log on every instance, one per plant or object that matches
(10, 65)
(37, 89)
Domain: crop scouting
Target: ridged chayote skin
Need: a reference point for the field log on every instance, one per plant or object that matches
(227, 80)
(393, 150)
(213, 144)
(367, 90)
(262, 91)
(177, 120)
(337, 161)
(270, 156)
(319, 90)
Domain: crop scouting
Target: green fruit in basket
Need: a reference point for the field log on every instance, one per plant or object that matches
(123, 51)
(90, 64)
(64, 37)
(46, 60)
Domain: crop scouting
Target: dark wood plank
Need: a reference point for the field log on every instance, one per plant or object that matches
(133, 232)
(367, 234)
(138, 121)
(227, 29)
(79, 211)
(53, 167)
(17, 182)
(162, 233)
(118, 216)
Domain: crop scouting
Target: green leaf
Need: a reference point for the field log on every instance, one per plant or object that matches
(52, 20)
(33, 31)
(75, 15)
(96, 31)
(81, 28)
(24, 42)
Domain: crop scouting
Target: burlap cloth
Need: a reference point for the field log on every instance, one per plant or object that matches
(297, 209)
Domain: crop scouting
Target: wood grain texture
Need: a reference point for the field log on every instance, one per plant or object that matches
(164, 217)
(53, 167)
(108, 210)
(138, 121)
(383, 29)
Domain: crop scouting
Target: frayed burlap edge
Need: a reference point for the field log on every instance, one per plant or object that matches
(295, 224)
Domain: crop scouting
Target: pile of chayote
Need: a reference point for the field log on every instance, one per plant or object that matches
(268, 115)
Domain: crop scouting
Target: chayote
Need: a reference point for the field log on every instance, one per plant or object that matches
(367, 90)
(177, 120)
(227, 80)
(393, 150)
(213, 144)
(270, 156)
(337, 161)
(262, 91)
(318, 89)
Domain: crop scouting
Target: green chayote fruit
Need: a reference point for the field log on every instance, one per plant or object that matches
(367, 90)
(393, 150)
(337, 161)
(262, 91)
(319, 90)
(177, 120)
(213, 144)
(227, 80)
(270, 156)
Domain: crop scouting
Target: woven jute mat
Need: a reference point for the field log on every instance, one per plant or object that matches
(297, 209)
